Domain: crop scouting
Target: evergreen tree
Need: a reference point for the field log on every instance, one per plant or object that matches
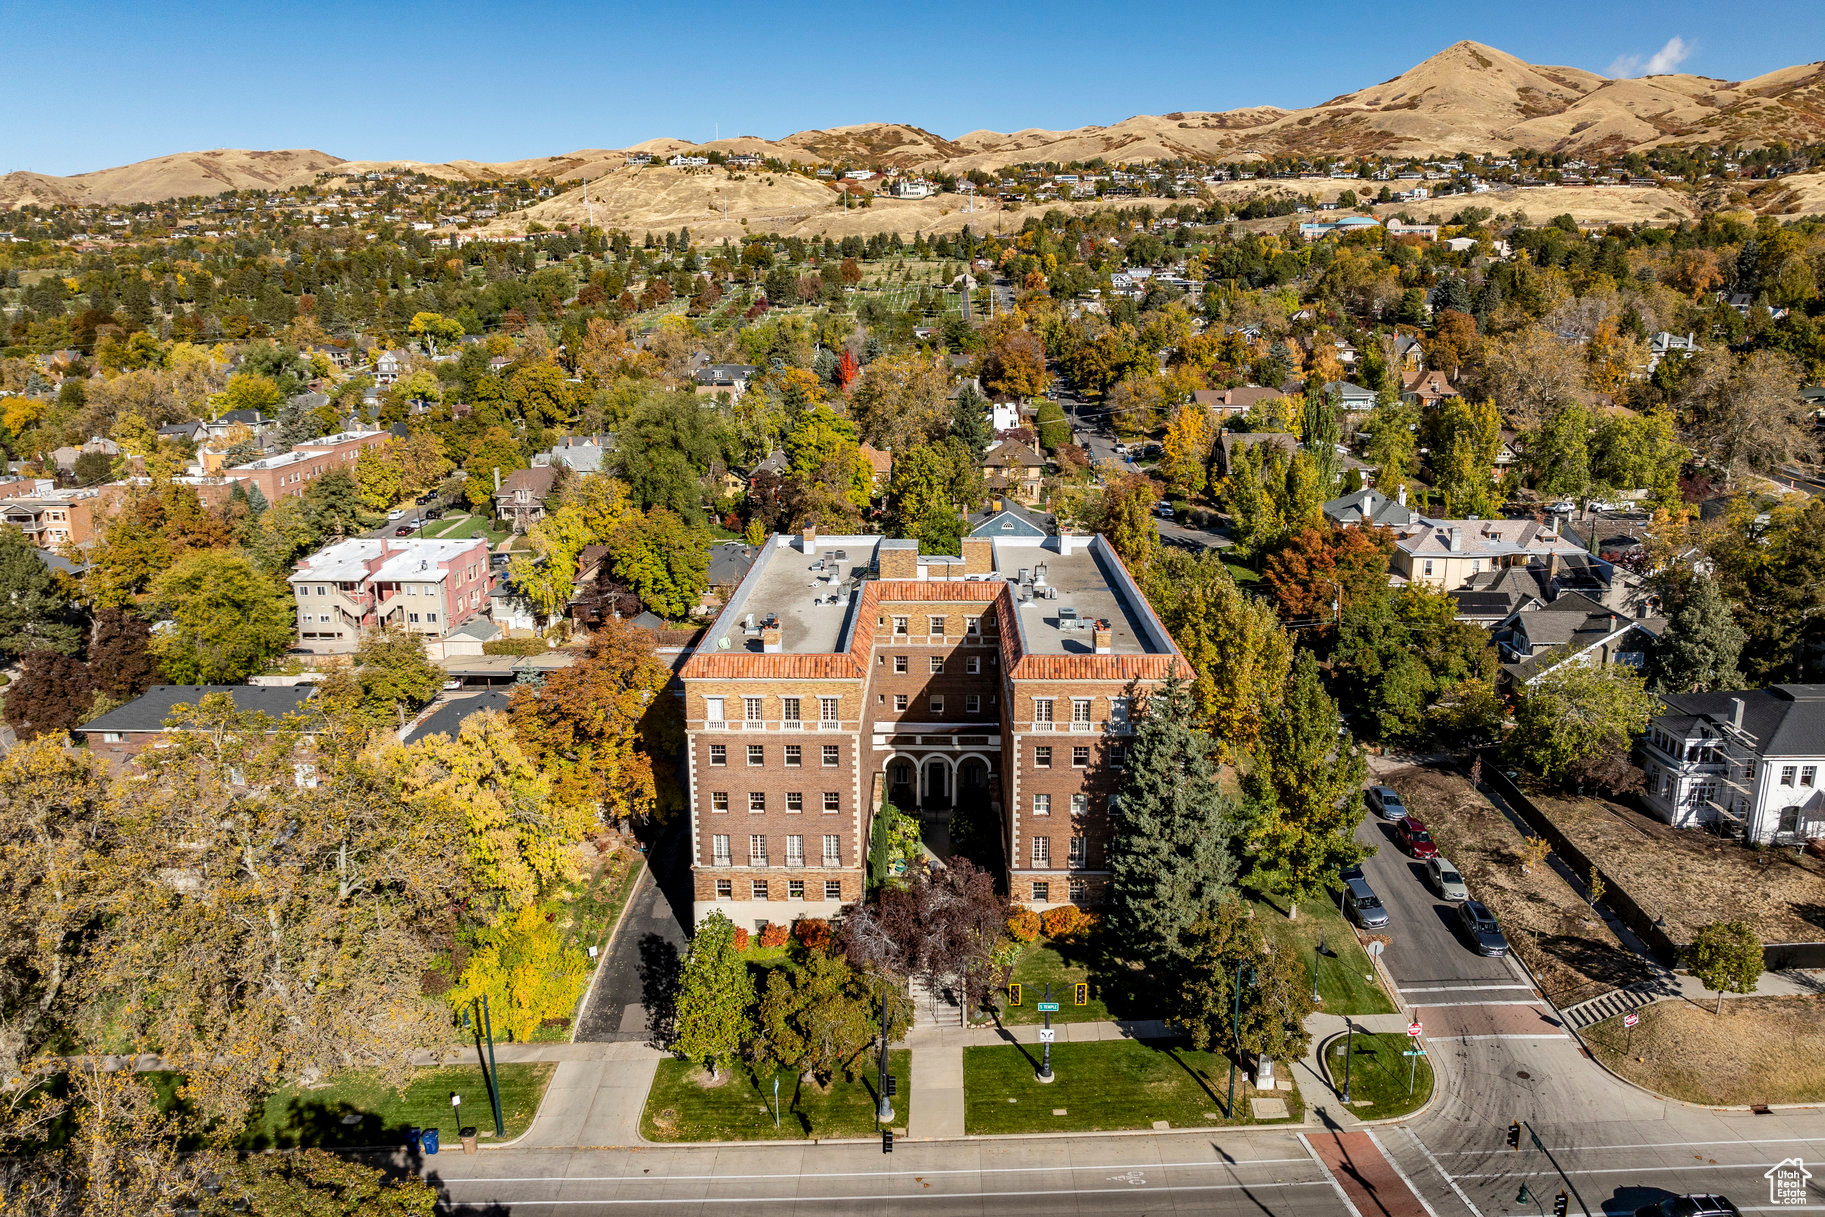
(715, 995)
(970, 421)
(1172, 860)
(35, 615)
(1697, 651)
(1305, 784)
(1323, 431)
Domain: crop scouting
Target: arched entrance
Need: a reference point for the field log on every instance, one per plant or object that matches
(936, 789)
(972, 776)
(901, 775)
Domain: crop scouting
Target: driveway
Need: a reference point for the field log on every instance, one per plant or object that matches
(632, 995)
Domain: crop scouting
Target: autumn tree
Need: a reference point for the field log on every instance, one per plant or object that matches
(390, 677)
(1304, 784)
(715, 996)
(664, 560)
(1748, 414)
(1275, 998)
(1320, 570)
(526, 970)
(1126, 519)
(35, 611)
(817, 1016)
(902, 401)
(229, 618)
(1186, 450)
(1531, 373)
(1577, 722)
(1015, 365)
(119, 657)
(53, 694)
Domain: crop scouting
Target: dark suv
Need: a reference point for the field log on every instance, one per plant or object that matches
(1479, 924)
(1711, 1205)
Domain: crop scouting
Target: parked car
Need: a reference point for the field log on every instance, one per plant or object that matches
(1385, 802)
(404, 530)
(1164, 511)
(434, 513)
(1479, 924)
(1711, 1205)
(1414, 838)
(398, 513)
(1363, 905)
(1350, 872)
(425, 497)
(1563, 507)
(1445, 880)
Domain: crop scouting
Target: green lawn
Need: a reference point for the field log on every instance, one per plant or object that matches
(462, 527)
(1379, 1073)
(1111, 1084)
(1064, 966)
(740, 1108)
(1344, 973)
(1244, 576)
(356, 1109)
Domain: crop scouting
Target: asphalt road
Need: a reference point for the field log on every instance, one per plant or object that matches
(644, 956)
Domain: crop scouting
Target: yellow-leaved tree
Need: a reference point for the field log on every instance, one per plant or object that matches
(525, 969)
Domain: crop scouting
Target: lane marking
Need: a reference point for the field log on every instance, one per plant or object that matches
(1442, 1173)
(1542, 1035)
(515, 1205)
(1464, 988)
(1408, 1183)
(1638, 1169)
(1348, 1206)
(1441, 1005)
(1565, 1149)
(994, 1170)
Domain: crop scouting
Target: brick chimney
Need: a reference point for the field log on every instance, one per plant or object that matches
(770, 636)
(899, 561)
(1102, 637)
(808, 539)
(978, 556)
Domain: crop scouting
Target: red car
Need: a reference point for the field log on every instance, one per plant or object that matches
(404, 530)
(1414, 838)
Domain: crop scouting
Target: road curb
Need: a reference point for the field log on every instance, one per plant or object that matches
(1325, 1064)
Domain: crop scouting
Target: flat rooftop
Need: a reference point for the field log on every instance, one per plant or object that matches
(1088, 588)
(811, 594)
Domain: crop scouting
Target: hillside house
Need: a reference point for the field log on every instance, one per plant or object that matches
(1748, 761)
(427, 587)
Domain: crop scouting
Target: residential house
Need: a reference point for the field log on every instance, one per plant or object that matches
(1369, 508)
(124, 732)
(53, 518)
(1448, 554)
(519, 500)
(446, 717)
(195, 431)
(1491, 597)
(581, 453)
(387, 367)
(1228, 402)
(1008, 523)
(424, 586)
(1572, 629)
(730, 378)
(65, 457)
(1355, 398)
(1012, 468)
(289, 473)
(253, 420)
(1427, 389)
(881, 463)
(1663, 344)
(1749, 761)
(1409, 355)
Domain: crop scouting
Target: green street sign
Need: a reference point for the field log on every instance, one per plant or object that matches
(1415, 1052)
(1048, 1007)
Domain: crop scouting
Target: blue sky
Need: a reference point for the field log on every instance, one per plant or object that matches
(93, 85)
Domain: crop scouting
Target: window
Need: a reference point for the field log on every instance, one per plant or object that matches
(833, 889)
(1079, 850)
(1042, 851)
(1120, 708)
(1078, 890)
(973, 626)
(795, 889)
(795, 850)
(1115, 805)
(757, 754)
(1080, 804)
(304, 589)
(1787, 774)
(1080, 756)
(725, 889)
(1042, 804)
(757, 889)
(795, 754)
(757, 850)
(412, 618)
(937, 665)
(113, 737)
(1042, 756)
(1080, 710)
(1428, 566)
(899, 701)
(712, 710)
(1042, 709)
(751, 709)
(719, 849)
(899, 626)
(431, 618)
(1809, 775)
(973, 665)
(899, 664)
(789, 709)
(833, 849)
(972, 703)
(1118, 756)
(830, 755)
(757, 800)
(827, 708)
(937, 704)
(795, 801)
(719, 800)
(719, 754)
(937, 626)
(833, 801)
(1042, 891)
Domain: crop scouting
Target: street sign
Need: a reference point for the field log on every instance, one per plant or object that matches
(1047, 1007)
(1413, 1028)
(1374, 947)
(1630, 1019)
(1047, 1034)
(1414, 1052)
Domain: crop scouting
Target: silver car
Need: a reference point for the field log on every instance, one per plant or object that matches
(1363, 905)
(1445, 880)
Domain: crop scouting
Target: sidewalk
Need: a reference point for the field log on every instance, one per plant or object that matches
(1308, 1074)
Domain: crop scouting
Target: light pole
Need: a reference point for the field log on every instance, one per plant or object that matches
(1349, 1042)
(884, 1111)
(1235, 1030)
(1317, 954)
(1045, 1059)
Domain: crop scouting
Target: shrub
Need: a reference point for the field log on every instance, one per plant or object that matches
(1063, 921)
(773, 934)
(741, 938)
(1024, 925)
(812, 933)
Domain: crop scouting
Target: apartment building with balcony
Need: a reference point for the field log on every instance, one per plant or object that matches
(289, 473)
(424, 586)
(847, 671)
(51, 518)
(1751, 762)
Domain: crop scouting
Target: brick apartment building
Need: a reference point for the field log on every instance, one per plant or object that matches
(845, 670)
(425, 586)
(290, 472)
(51, 518)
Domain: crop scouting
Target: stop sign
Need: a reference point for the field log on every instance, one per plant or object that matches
(1413, 1029)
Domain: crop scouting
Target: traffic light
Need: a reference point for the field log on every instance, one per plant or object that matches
(887, 1140)
(1560, 1204)
(1014, 994)
(1083, 993)
(1514, 1135)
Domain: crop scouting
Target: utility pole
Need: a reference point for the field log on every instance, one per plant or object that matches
(1349, 1042)
(1235, 1031)
(1046, 1006)
(494, 1088)
(884, 1111)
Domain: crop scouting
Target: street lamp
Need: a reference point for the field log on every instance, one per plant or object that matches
(1235, 1030)
(884, 1110)
(1349, 1042)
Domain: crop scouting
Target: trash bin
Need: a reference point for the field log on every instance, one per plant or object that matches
(412, 1135)
(467, 1133)
(428, 1138)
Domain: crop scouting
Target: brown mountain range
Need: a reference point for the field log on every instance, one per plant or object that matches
(1467, 98)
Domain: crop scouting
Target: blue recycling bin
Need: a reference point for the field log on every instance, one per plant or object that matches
(428, 1139)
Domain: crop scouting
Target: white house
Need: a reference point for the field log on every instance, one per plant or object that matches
(1004, 416)
(1751, 760)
